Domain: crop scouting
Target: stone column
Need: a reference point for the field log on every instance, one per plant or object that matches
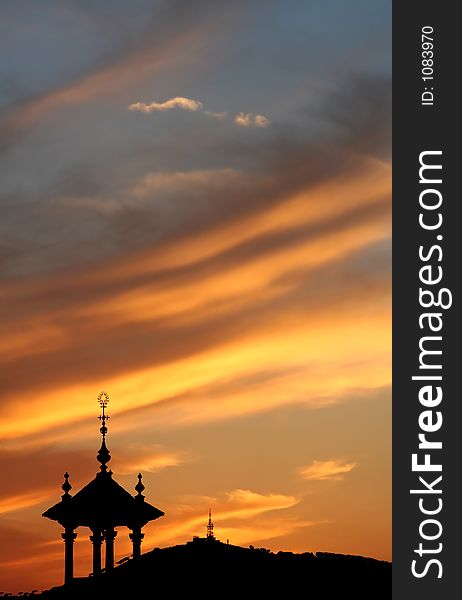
(68, 537)
(109, 536)
(136, 538)
(96, 540)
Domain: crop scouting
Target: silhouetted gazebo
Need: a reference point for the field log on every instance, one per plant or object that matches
(102, 505)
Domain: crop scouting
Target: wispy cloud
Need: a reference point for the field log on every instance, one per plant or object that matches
(241, 119)
(231, 513)
(247, 503)
(18, 502)
(177, 102)
(327, 469)
(152, 464)
(249, 120)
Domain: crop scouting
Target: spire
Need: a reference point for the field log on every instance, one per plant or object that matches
(103, 455)
(139, 487)
(66, 487)
(210, 535)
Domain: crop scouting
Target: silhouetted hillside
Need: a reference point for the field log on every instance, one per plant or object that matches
(211, 569)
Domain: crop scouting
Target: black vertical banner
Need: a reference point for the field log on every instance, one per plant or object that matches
(427, 250)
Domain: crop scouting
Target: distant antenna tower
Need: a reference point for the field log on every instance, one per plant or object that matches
(210, 535)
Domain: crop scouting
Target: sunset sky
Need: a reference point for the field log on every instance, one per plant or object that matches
(195, 217)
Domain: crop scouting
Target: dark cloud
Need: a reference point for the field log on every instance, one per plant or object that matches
(362, 110)
(63, 226)
(129, 31)
(71, 293)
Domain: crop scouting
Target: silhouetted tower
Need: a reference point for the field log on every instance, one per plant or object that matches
(101, 505)
(210, 535)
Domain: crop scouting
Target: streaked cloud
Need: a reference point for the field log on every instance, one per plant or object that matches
(327, 469)
(230, 509)
(177, 102)
(150, 463)
(253, 503)
(14, 503)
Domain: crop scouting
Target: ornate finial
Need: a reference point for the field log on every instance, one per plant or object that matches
(103, 399)
(103, 455)
(66, 487)
(139, 487)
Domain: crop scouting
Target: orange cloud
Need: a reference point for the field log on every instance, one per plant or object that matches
(150, 463)
(230, 508)
(251, 503)
(296, 281)
(321, 470)
(14, 503)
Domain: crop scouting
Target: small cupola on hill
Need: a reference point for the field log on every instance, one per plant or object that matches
(101, 505)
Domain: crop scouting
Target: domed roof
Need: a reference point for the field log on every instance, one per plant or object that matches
(103, 503)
